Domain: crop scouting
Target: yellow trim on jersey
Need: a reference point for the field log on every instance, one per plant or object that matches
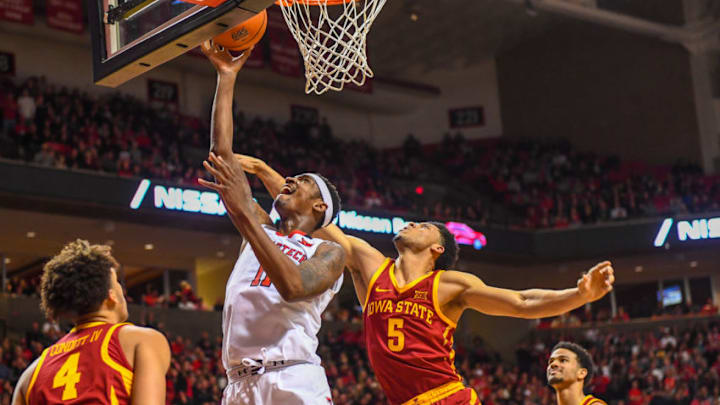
(113, 396)
(35, 374)
(406, 286)
(590, 399)
(127, 374)
(436, 394)
(473, 397)
(436, 303)
(374, 278)
(86, 325)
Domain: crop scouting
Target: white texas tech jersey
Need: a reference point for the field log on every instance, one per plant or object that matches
(256, 316)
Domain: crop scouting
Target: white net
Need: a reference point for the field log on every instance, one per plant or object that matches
(332, 38)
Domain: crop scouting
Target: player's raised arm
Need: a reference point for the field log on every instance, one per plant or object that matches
(227, 67)
(468, 291)
(221, 135)
(151, 361)
(270, 178)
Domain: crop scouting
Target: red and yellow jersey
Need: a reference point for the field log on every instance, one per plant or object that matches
(408, 338)
(591, 400)
(86, 366)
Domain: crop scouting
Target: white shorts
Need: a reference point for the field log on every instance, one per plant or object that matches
(301, 384)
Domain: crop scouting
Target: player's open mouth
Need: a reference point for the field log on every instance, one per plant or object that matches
(287, 190)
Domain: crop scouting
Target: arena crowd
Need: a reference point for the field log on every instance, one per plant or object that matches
(528, 184)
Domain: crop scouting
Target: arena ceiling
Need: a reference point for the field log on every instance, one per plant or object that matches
(428, 34)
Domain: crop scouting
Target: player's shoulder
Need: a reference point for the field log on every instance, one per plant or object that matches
(454, 284)
(458, 277)
(134, 334)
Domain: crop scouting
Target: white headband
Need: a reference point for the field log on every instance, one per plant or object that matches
(326, 197)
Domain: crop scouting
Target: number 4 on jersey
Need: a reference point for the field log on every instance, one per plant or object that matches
(68, 377)
(259, 280)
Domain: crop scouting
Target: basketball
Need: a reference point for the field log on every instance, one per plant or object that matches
(244, 35)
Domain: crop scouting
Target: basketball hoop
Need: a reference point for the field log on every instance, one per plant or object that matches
(332, 38)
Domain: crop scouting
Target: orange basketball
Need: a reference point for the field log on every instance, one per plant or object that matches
(244, 35)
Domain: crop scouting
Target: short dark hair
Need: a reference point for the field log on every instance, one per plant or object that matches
(583, 357)
(334, 196)
(76, 281)
(449, 258)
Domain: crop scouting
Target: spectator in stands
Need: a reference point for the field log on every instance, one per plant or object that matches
(26, 106)
(621, 315)
(10, 112)
(564, 187)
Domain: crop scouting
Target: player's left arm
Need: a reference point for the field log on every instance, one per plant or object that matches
(227, 67)
(270, 178)
(221, 133)
(151, 360)
(467, 291)
(22, 385)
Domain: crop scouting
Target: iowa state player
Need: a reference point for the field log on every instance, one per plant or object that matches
(102, 360)
(283, 279)
(570, 369)
(411, 306)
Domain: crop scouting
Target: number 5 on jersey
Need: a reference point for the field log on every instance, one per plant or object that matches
(396, 339)
(68, 377)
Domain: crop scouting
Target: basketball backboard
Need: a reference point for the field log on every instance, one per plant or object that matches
(131, 37)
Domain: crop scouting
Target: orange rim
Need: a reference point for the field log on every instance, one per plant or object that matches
(287, 3)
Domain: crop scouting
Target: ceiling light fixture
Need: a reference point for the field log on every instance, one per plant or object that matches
(30, 234)
(149, 246)
(638, 269)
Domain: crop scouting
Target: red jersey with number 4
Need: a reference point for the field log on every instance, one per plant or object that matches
(86, 366)
(408, 338)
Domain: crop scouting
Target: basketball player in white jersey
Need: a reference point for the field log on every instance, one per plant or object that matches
(283, 279)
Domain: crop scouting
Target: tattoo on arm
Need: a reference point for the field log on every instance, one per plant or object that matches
(318, 274)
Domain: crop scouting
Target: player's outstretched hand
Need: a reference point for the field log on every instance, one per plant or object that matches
(221, 58)
(230, 183)
(597, 282)
(251, 164)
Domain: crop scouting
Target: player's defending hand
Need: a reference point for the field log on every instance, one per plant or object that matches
(231, 184)
(597, 282)
(221, 58)
(251, 164)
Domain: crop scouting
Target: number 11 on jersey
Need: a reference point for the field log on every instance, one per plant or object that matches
(259, 280)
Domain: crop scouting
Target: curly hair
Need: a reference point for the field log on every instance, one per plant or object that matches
(449, 258)
(76, 281)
